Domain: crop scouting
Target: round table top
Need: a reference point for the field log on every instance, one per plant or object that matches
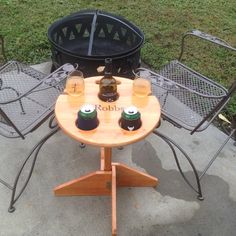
(108, 133)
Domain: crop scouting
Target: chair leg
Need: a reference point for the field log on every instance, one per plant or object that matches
(172, 144)
(82, 145)
(52, 122)
(34, 151)
(217, 153)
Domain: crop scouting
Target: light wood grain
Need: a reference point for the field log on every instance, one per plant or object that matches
(108, 133)
(113, 201)
(129, 177)
(106, 158)
(96, 183)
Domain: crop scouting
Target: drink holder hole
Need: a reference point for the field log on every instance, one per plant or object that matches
(130, 125)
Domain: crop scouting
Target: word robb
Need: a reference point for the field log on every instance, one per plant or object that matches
(108, 108)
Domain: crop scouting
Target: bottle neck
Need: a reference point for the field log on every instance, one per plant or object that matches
(108, 68)
(107, 75)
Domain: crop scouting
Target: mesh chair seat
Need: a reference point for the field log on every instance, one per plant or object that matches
(27, 97)
(186, 96)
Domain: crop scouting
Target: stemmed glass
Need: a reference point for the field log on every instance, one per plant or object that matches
(75, 83)
(141, 84)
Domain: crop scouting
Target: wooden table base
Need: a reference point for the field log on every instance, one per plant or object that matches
(105, 182)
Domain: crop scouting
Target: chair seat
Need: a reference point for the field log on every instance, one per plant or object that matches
(186, 96)
(35, 106)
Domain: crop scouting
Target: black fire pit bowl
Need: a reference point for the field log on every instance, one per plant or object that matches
(88, 37)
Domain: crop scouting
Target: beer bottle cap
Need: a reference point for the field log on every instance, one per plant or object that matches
(130, 113)
(87, 112)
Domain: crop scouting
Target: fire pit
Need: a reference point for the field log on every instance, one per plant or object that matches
(88, 37)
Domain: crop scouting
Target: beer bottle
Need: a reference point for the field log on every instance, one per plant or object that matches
(108, 84)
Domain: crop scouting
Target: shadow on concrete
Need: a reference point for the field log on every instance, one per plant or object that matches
(215, 209)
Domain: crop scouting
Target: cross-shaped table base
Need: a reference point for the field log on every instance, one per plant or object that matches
(106, 181)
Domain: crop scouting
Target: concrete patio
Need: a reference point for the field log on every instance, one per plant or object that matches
(170, 209)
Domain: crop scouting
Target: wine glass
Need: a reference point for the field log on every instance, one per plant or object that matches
(75, 83)
(141, 84)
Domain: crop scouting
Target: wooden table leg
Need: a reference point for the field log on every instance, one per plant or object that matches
(129, 177)
(106, 153)
(106, 181)
(95, 183)
(113, 201)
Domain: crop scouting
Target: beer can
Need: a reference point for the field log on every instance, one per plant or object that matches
(87, 117)
(130, 118)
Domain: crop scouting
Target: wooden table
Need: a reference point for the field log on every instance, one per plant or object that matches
(107, 135)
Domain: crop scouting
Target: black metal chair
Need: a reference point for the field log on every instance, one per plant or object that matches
(27, 99)
(189, 100)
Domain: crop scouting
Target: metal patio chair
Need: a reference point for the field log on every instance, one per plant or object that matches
(189, 100)
(27, 99)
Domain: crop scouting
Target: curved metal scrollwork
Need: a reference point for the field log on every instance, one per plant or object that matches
(34, 151)
(174, 145)
(52, 122)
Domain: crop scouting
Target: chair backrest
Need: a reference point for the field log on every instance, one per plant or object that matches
(27, 97)
(214, 112)
(190, 99)
(217, 104)
(218, 42)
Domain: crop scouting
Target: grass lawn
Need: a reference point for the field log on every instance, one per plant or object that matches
(24, 25)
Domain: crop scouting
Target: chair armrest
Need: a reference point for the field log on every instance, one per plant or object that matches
(51, 80)
(170, 85)
(204, 36)
(210, 38)
(2, 51)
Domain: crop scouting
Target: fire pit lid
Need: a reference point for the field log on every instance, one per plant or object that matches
(95, 34)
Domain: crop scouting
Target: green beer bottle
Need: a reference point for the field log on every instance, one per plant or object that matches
(108, 84)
